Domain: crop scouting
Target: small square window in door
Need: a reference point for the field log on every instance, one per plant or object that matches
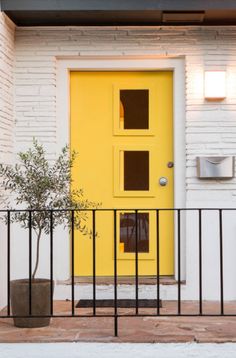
(134, 109)
(128, 226)
(136, 170)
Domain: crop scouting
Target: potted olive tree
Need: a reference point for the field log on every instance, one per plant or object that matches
(39, 187)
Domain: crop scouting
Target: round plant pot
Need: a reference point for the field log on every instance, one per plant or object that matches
(40, 302)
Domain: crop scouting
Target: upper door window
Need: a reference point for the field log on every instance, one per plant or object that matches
(132, 109)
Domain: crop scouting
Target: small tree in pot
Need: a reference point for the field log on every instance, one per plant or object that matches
(40, 187)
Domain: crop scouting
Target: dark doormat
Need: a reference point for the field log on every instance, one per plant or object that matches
(122, 303)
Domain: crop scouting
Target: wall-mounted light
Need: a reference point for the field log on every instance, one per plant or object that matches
(215, 85)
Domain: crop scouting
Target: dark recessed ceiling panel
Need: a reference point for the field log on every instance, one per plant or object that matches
(90, 18)
(120, 12)
(183, 16)
(116, 5)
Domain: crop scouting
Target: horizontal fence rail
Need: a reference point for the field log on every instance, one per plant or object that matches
(195, 225)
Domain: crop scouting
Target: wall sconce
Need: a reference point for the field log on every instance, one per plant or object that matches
(215, 85)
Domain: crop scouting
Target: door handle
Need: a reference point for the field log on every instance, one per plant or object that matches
(163, 181)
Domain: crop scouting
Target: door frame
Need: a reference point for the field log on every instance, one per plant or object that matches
(121, 63)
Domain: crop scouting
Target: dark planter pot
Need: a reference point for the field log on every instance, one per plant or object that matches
(40, 302)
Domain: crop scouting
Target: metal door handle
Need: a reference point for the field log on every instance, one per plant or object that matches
(163, 181)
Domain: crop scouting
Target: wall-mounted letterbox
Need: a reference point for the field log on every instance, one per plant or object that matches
(215, 167)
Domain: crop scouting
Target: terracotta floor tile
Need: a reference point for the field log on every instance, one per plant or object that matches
(131, 329)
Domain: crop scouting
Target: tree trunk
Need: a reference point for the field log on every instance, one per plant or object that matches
(37, 254)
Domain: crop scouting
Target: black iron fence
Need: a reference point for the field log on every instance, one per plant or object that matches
(180, 220)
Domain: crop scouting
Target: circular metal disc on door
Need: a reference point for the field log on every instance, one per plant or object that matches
(163, 181)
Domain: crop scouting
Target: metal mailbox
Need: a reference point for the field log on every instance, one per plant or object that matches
(215, 167)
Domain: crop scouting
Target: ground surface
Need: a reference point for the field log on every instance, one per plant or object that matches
(131, 329)
(122, 350)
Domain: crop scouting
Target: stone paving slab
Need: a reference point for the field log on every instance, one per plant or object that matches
(131, 329)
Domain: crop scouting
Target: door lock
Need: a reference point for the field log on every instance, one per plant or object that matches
(163, 181)
(170, 164)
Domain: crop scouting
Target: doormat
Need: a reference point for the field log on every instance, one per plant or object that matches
(121, 303)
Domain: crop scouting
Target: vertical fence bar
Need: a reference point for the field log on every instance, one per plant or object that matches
(8, 260)
(30, 262)
(179, 261)
(158, 261)
(115, 276)
(94, 263)
(136, 261)
(72, 263)
(51, 262)
(221, 264)
(200, 259)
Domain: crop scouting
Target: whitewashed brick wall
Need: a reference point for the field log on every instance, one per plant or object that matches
(7, 130)
(210, 127)
(7, 30)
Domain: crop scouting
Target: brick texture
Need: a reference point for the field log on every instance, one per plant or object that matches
(7, 30)
(210, 127)
(7, 127)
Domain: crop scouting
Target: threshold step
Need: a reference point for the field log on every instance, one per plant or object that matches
(123, 280)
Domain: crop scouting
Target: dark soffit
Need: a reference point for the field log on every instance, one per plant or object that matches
(120, 12)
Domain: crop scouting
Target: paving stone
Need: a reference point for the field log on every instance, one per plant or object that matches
(131, 329)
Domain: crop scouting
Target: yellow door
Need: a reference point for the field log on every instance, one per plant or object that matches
(121, 126)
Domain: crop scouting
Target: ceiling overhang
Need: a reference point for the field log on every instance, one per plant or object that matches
(120, 12)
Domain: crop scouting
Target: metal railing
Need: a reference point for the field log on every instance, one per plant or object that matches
(178, 215)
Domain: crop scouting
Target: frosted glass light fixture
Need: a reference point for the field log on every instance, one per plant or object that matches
(215, 85)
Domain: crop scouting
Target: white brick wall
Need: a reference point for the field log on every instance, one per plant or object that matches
(7, 30)
(210, 127)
